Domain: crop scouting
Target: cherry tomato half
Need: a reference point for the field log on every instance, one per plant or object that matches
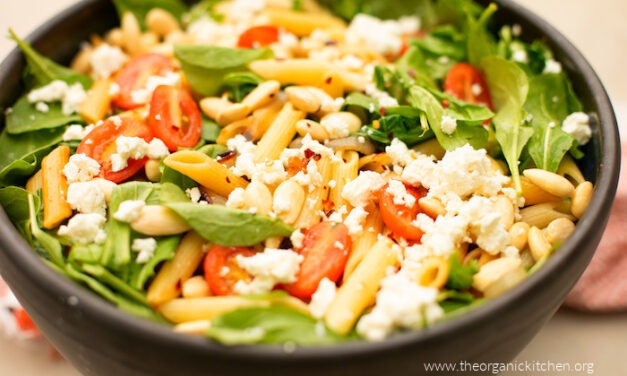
(23, 321)
(326, 248)
(466, 82)
(399, 218)
(258, 36)
(99, 144)
(174, 117)
(222, 271)
(135, 74)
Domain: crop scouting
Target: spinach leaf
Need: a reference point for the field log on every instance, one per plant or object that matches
(14, 201)
(85, 253)
(21, 154)
(41, 71)
(460, 276)
(419, 67)
(140, 8)
(24, 117)
(465, 133)
(170, 175)
(239, 84)
(108, 278)
(213, 150)
(171, 193)
(202, 9)
(548, 105)
(50, 244)
(229, 227)
(210, 130)
(140, 273)
(480, 42)
(117, 247)
(205, 67)
(273, 325)
(509, 87)
(403, 123)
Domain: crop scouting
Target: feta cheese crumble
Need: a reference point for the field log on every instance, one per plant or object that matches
(322, 298)
(383, 36)
(270, 267)
(85, 229)
(87, 197)
(577, 125)
(106, 59)
(129, 210)
(81, 168)
(145, 249)
(70, 96)
(360, 191)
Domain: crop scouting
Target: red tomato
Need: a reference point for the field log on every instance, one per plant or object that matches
(134, 75)
(466, 82)
(258, 36)
(325, 250)
(174, 117)
(24, 322)
(222, 270)
(99, 144)
(399, 218)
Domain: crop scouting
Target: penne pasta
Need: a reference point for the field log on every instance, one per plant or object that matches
(359, 291)
(279, 135)
(169, 280)
(206, 171)
(54, 187)
(344, 171)
(433, 272)
(96, 105)
(314, 203)
(301, 23)
(365, 240)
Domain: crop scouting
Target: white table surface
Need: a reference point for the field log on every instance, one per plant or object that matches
(598, 28)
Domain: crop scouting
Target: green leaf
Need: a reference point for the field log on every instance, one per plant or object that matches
(141, 273)
(49, 243)
(213, 150)
(509, 87)
(21, 154)
(24, 117)
(239, 84)
(205, 67)
(202, 9)
(480, 42)
(403, 123)
(108, 278)
(170, 175)
(272, 325)
(140, 8)
(41, 71)
(460, 276)
(171, 193)
(85, 253)
(210, 130)
(229, 227)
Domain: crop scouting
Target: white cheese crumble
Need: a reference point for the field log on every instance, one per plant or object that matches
(193, 194)
(577, 125)
(81, 168)
(85, 229)
(322, 298)
(145, 248)
(385, 100)
(385, 37)
(355, 220)
(552, 66)
(335, 126)
(237, 199)
(77, 132)
(129, 210)
(360, 191)
(87, 197)
(270, 267)
(127, 148)
(106, 59)
(401, 303)
(144, 94)
(448, 124)
(70, 96)
(156, 149)
(297, 238)
(399, 193)
(399, 152)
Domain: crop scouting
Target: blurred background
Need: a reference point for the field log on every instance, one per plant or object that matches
(597, 28)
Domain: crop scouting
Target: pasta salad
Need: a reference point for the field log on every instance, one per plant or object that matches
(285, 171)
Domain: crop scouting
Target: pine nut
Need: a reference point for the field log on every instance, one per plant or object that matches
(518, 235)
(534, 194)
(312, 128)
(559, 230)
(152, 169)
(199, 327)
(161, 22)
(351, 122)
(82, 60)
(195, 287)
(550, 182)
(538, 244)
(212, 106)
(147, 41)
(505, 208)
(157, 220)
(307, 98)
(115, 37)
(234, 112)
(288, 201)
(258, 198)
(262, 95)
(540, 215)
(493, 271)
(131, 33)
(431, 206)
(581, 198)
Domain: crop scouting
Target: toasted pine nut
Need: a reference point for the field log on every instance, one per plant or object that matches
(131, 33)
(161, 22)
(431, 206)
(195, 287)
(486, 257)
(199, 327)
(288, 201)
(505, 208)
(157, 220)
(262, 95)
(312, 128)
(493, 271)
(233, 129)
(347, 120)
(258, 198)
(559, 230)
(273, 242)
(518, 235)
(82, 60)
(115, 37)
(550, 182)
(541, 215)
(234, 112)
(307, 98)
(147, 41)
(538, 244)
(581, 198)
(534, 194)
(152, 169)
(212, 106)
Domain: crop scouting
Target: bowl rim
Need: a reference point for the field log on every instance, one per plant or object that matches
(21, 253)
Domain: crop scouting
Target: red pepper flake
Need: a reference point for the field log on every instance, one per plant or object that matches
(228, 180)
(309, 153)
(445, 103)
(328, 81)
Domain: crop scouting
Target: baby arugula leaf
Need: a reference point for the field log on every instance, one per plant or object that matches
(480, 42)
(24, 117)
(460, 276)
(509, 87)
(140, 8)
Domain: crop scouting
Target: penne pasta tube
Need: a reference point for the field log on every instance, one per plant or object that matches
(262, 119)
(359, 291)
(168, 282)
(433, 272)
(98, 101)
(207, 308)
(262, 95)
(35, 183)
(233, 129)
(314, 203)
(279, 135)
(54, 187)
(302, 23)
(363, 243)
(343, 172)
(205, 170)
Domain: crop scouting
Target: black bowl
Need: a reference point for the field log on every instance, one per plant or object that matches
(99, 339)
